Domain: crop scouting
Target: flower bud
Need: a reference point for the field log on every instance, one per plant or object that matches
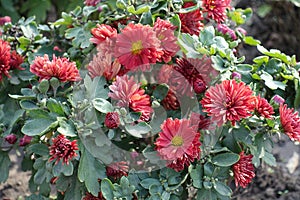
(11, 138)
(236, 75)
(278, 99)
(44, 86)
(199, 85)
(112, 120)
(25, 140)
(4, 20)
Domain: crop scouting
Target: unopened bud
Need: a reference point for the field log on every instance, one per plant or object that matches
(11, 138)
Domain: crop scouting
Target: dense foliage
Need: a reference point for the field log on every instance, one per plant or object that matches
(141, 100)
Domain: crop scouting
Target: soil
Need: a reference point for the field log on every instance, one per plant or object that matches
(279, 29)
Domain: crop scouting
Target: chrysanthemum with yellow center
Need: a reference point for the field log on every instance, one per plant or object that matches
(177, 141)
(137, 47)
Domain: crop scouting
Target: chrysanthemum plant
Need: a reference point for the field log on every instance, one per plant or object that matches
(142, 100)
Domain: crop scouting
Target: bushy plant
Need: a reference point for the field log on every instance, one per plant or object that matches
(142, 100)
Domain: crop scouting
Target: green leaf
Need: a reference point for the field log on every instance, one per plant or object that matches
(175, 20)
(37, 8)
(55, 107)
(269, 159)
(218, 63)
(244, 68)
(207, 35)
(138, 130)
(225, 159)
(139, 11)
(89, 171)
(4, 166)
(197, 176)
(28, 105)
(146, 18)
(80, 37)
(261, 59)
(38, 126)
(146, 183)
(187, 42)
(270, 83)
(39, 149)
(107, 189)
(161, 91)
(251, 41)
(96, 87)
(102, 105)
(66, 127)
(222, 189)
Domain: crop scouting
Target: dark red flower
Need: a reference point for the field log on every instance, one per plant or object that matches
(170, 102)
(191, 21)
(290, 122)
(11, 138)
(89, 196)
(16, 60)
(25, 140)
(91, 2)
(112, 120)
(243, 170)
(264, 108)
(62, 149)
(216, 9)
(4, 58)
(117, 170)
(199, 120)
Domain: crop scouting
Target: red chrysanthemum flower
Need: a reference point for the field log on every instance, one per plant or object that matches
(191, 22)
(103, 65)
(112, 120)
(123, 89)
(243, 170)
(62, 149)
(264, 108)
(16, 60)
(170, 102)
(228, 101)
(102, 32)
(91, 2)
(137, 46)
(61, 68)
(140, 102)
(216, 9)
(4, 58)
(290, 122)
(117, 170)
(89, 196)
(178, 143)
(165, 33)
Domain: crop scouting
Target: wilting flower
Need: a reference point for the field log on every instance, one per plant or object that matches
(243, 170)
(91, 2)
(140, 102)
(122, 90)
(112, 120)
(4, 58)
(61, 68)
(117, 169)
(170, 102)
(228, 101)
(89, 196)
(62, 149)
(226, 30)
(25, 140)
(264, 108)
(178, 143)
(137, 45)
(191, 21)
(278, 99)
(216, 9)
(103, 65)
(290, 122)
(4, 20)
(102, 32)
(16, 60)
(165, 33)
(11, 138)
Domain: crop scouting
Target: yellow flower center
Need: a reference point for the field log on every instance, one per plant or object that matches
(161, 37)
(136, 47)
(177, 141)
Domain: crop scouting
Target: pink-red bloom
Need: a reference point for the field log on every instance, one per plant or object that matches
(278, 99)
(178, 143)
(290, 122)
(4, 20)
(216, 9)
(243, 170)
(263, 108)
(61, 68)
(103, 65)
(11, 138)
(140, 102)
(4, 59)
(165, 33)
(62, 149)
(228, 101)
(25, 140)
(191, 22)
(112, 120)
(122, 90)
(91, 2)
(117, 170)
(102, 32)
(137, 46)
(226, 30)
(16, 60)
